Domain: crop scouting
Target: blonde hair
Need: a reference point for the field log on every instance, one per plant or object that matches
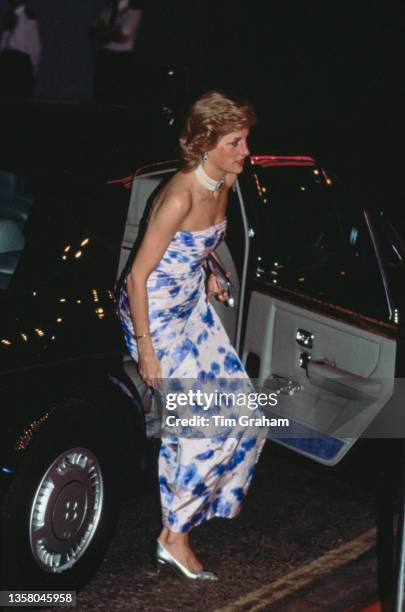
(212, 116)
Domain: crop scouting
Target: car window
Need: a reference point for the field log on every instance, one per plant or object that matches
(389, 227)
(323, 251)
(272, 181)
(391, 232)
(15, 206)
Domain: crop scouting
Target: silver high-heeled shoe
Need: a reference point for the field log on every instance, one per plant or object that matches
(163, 557)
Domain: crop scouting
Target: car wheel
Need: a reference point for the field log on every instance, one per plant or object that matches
(60, 511)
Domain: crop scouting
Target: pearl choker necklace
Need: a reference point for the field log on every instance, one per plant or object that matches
(207, 181)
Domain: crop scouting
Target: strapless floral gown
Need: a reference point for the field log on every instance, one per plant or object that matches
(200, 476)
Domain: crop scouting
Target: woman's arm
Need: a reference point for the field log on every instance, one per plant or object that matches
(162, 225)
(215, 255)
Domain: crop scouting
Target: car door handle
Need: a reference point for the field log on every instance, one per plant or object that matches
(340, 382)
(304, 338)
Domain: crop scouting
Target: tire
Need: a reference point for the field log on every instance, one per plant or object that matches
(59, 514)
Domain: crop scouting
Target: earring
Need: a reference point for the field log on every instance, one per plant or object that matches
(205, 156)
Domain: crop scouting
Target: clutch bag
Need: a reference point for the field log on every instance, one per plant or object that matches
(220, 274)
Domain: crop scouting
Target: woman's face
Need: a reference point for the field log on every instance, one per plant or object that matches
(230, 152)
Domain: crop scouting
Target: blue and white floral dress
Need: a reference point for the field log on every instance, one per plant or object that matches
(201, 476)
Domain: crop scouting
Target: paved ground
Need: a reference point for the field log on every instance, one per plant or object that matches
(296, 513)
(349, 588)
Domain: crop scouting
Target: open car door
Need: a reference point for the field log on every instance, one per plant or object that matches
(321, 325)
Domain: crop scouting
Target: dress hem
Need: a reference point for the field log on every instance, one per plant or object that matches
(206, 518)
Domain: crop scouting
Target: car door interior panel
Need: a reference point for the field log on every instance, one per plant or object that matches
(142, 189)
(340, 383)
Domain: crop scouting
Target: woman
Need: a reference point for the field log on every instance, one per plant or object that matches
(173, 332)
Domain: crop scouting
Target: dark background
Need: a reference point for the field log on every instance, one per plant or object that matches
(320, 73)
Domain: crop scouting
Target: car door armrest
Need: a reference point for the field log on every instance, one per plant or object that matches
(342, 383)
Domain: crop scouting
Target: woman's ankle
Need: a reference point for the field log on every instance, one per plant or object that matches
(174, 537)
(162, 537)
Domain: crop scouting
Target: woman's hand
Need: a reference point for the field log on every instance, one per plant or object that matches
(149, 367)
(214, 289)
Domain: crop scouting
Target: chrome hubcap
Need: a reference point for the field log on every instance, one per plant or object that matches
(66, 510)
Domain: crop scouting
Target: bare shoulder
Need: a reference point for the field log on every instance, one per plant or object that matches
(177, 202)
(173, 202)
